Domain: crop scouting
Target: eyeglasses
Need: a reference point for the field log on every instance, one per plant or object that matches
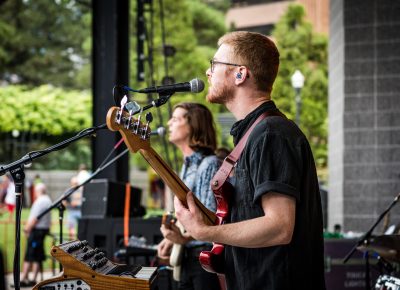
(214, 62)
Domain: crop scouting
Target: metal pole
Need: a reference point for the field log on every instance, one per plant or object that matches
(298, 105)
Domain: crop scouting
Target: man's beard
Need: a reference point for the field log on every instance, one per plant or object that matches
(219, 96)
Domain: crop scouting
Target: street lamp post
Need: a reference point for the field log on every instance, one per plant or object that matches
(297, 84)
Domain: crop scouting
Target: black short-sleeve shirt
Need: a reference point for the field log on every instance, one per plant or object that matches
(277, 158)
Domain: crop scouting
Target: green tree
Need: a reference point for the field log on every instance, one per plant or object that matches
(42, 116)
(41, 41)
(49, 42)
(193, 29)
(300, 48)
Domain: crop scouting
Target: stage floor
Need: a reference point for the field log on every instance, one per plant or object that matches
(10, 280)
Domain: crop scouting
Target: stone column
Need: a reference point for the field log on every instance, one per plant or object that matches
(364, 111)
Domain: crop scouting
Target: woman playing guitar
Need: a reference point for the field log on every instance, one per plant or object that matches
(191, 129)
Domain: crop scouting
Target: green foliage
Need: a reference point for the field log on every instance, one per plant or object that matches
(220, 5)
(194, 34)
(45, 109)
(300, 48)
(208, 23)
(49, 42)
(41, 41)
(66, 159)
(45, 115)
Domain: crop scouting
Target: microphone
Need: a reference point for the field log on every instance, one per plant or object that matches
(160, 131)
(194, 86)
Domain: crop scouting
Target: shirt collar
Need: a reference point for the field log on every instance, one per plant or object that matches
(240, 127)
(195, 158)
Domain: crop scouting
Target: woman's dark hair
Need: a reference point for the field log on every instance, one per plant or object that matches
(202, 127)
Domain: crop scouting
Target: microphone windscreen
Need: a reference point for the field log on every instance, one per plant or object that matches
(196, 85)
(161, 131)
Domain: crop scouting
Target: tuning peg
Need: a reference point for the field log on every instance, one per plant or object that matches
(119, 115)
(149, 119)
(123, 102)
(132, 108)
(136, 124)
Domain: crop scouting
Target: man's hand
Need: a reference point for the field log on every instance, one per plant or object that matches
(191, 219)
(164, 249)
(27, 231)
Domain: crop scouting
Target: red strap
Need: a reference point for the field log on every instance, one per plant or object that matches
(126, 213)
(230, 161)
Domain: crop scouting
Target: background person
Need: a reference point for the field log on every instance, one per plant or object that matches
(36, 230)
(9, 189)
(74, 208)
(74, 202)
(191, 129)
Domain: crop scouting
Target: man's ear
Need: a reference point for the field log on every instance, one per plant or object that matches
(241, 75)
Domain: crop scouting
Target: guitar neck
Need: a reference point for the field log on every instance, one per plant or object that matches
(174, 182)
(123, 124)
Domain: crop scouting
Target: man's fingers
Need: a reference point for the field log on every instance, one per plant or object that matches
(177, 204)
(190, 201)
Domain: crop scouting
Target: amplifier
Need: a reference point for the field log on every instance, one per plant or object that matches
(104, 198)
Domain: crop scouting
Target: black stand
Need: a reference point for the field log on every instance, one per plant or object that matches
(58, 203)
(61, 209)
(16, 170)
(364, 240)
(18, 176)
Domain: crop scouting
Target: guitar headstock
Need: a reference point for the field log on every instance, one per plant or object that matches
(136, 134)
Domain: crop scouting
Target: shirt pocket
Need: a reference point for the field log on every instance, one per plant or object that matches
(243, 206)
(243, 188)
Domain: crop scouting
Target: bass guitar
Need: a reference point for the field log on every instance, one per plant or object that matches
(136, 136)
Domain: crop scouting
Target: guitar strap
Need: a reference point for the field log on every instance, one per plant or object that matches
(230, 161)
(127, 213)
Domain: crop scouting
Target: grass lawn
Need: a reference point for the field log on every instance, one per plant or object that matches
(7, 238)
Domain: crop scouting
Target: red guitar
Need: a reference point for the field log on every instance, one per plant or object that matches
(136, 137)
(213, 261)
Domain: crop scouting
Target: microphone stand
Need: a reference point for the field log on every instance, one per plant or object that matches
(16, 170)
(58, 203)
(365, 240)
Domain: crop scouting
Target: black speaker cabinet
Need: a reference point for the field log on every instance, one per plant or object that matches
(104, 198)
(107, 234)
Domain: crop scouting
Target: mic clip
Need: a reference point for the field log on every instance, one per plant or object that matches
(163, 98)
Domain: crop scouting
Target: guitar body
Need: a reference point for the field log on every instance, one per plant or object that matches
(213, 260)
(176, 256)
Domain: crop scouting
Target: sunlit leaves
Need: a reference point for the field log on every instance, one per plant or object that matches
(45, 109)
